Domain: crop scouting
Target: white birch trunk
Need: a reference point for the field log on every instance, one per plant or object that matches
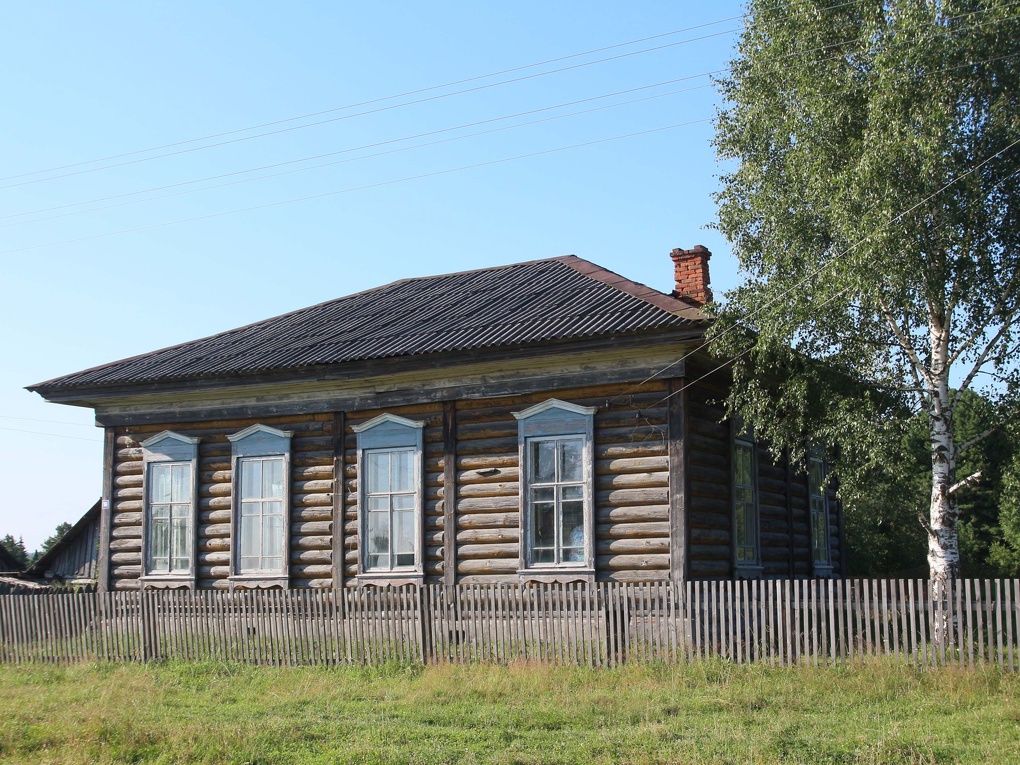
(943, 534)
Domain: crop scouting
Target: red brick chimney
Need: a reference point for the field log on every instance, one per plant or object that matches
(690, 269)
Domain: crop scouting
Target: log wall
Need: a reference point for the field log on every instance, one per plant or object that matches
(632, 524)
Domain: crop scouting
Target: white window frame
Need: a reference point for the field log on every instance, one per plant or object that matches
(818, 495)
(169, 448)
(389, 433)
(551, 420)
(742, 437)
(259, 441)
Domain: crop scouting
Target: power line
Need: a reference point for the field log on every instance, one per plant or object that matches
(408, 138)
(405, 94)
(367, 112)
(358, 148)
(358, 188)
(54, 422)
(53, 435)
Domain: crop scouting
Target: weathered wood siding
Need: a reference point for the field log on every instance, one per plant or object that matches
(632, 524)
(77, 561)
(311, 509)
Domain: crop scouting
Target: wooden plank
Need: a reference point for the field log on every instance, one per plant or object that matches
(339, 425)
(679, 487)
(106, 513)
(449, 492)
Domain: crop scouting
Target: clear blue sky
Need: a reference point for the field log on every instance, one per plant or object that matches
(87, 81)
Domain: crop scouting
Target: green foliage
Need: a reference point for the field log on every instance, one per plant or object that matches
(872, 200)
(16, 547)
(62, 528)
(705, 712)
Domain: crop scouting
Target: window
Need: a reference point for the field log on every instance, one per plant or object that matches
(820, 555)
(390, 499)
(745, 503)
(261, 491)
(168, 520)
(557, 520)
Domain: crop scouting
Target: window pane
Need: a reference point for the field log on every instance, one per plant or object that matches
(180, 542)
(159, 511)
(571, 459)
(402, 471)
(181, 483)
(543, 555)
(741, 530)
(403, 532)
(272, 478)
(250, 532)
(378, 503)
(543, 495)
(272, 508)
(251, 479)
(377, 562)
(378, 533)
(403, 501)
(816, 478)
(544, 522)
(573, 493)
(573, 524)
(249, 563)
(378, 471)
(159, 543)
(250, 508)
(159, 480)
(543, 461)
(272, 536)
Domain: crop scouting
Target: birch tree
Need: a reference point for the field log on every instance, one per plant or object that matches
(871, 155)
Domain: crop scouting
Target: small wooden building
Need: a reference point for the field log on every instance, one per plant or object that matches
(548, 420)
(74, 559)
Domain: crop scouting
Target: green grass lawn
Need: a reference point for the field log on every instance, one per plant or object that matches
(713, 712)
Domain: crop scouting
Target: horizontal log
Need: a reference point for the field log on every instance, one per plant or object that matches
(487, 446)
(310, 542)
(213, 572)
(312, 528)
(623, 497)
(651, 575)
(214, 490)
(488, 521)
(311, 556)
(487, 461)
(126, 532)
(126, 572)
(633, 530)
(497, 475)
(489, 536)
(632, 546)
(503, 489)
(486, 504)
(312, 487)
(622, 465)
(704, 536)
(128, 481)
(127, 519)
(214, 530)
(632, 481)
(709, 490)
(216, 476)
(487, 566)
(214, 543)
(214, 503)
(311, 500)
(126, 558)
(215, 516)
(312, 473)
(477, 551)
(125, 585)
(633, 513)
(124, 545)
(214, 558)
(632, 562)
(709, 568)
(134, 467)
(628, 449)
(126, 506)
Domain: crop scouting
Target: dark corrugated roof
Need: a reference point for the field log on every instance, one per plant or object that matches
(554, 299)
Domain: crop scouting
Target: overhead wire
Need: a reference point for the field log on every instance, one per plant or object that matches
(53, 435)
(402, 139)
(418, 91)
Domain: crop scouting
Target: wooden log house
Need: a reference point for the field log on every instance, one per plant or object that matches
(541, 421)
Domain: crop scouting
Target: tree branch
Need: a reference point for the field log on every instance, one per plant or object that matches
(976, 440)
(972, 478)
(920, 368)
(981, 359)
